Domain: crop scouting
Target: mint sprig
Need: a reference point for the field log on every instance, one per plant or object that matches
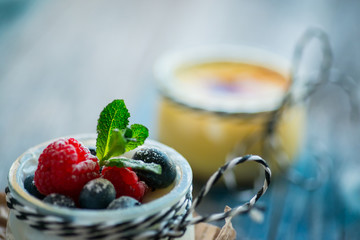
(139, 133)
(114, 116)
(116, 145)
(115, 138)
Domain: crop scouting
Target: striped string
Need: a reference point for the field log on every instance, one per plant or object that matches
(216, 176)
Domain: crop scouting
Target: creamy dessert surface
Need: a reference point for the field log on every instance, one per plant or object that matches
(229, 86)
(158, 193)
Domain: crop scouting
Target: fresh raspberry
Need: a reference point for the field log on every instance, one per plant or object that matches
(125, 181)
(65, 166)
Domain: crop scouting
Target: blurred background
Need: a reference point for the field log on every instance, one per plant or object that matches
(61, 62)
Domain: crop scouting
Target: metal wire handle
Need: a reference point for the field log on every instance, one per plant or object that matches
(272, 143)
(296, 83)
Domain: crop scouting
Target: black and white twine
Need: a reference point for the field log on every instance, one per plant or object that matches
(170, 222)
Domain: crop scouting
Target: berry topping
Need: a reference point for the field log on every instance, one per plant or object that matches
(123, 202)
(65, 166)
(59, 200)
(97, 194)
(29, 185)
(154, 155)
(92, 150)
(125, 181)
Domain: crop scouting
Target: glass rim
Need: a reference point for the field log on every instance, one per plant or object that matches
(183, 184)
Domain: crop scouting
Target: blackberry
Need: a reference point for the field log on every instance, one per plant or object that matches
(29, 186)
(92, 151)
(97, 194)
(123, 202)
(59, 200)
(154, 155)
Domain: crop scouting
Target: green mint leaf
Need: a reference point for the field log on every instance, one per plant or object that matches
(116, 144)
(134, 164)
(138, 135)
(115, 115)
(128, 133)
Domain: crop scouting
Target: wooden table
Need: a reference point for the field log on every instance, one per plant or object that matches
(61, 62)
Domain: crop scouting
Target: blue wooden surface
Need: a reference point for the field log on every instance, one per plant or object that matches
(62, 61)
(292, 211)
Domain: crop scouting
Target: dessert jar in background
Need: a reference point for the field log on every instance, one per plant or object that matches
(217, 98)
(38, 220)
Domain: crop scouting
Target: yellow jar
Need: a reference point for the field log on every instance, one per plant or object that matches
(214, 99)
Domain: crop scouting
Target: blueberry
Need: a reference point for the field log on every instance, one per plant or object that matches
(92, 151)
(59, 200)
(29, 185)
(154, 155)
(97, 194)
(123, 202)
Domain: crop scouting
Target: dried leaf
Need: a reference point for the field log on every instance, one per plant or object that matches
(4, 214)
(205, 231)
(227, 232)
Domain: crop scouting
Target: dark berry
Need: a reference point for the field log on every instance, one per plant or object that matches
(123, 202)
(154, 155)
(29, 185)
(125, 181)
(97, 194)
(59, 200)
(92, 151)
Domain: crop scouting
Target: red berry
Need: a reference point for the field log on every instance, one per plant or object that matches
(125, 181)
(65, 166)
